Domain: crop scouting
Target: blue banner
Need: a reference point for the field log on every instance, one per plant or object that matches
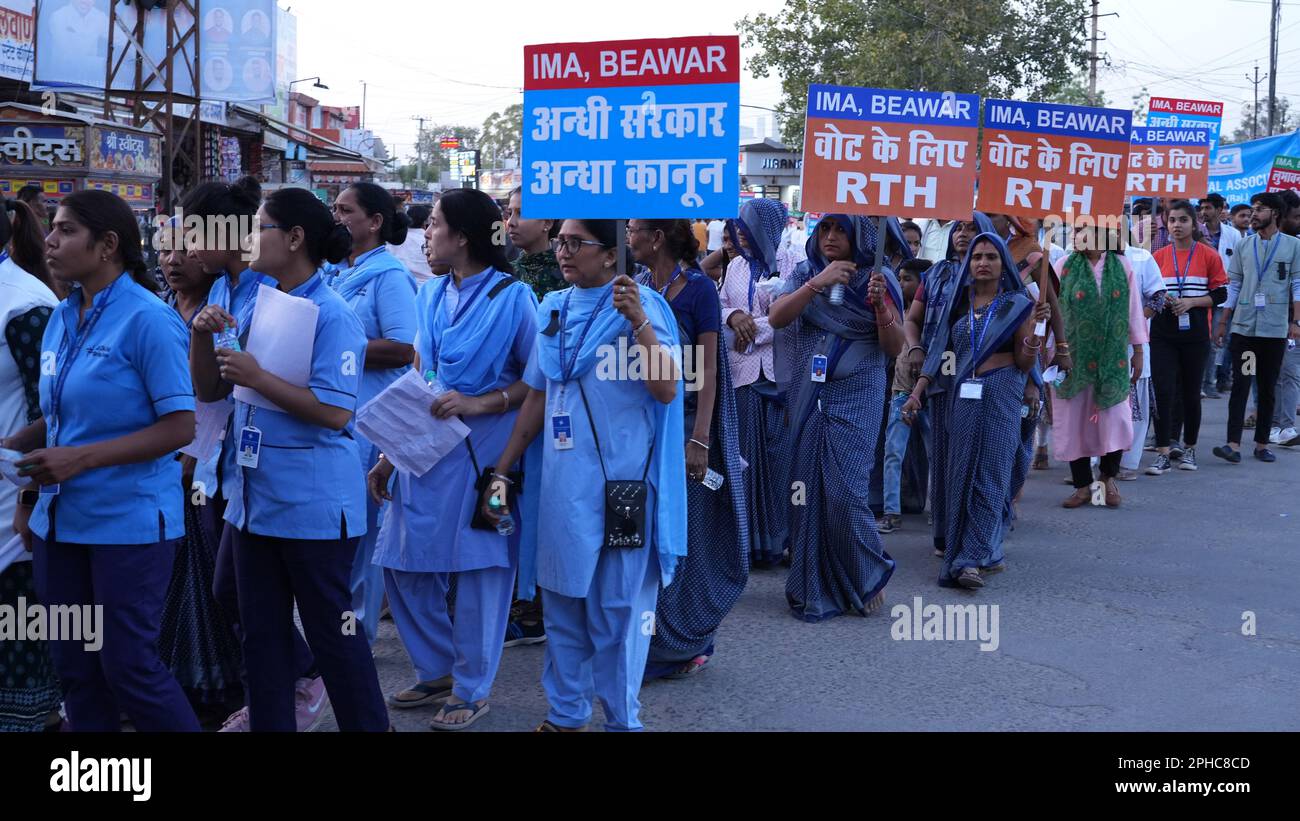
(1241, 170)
(1064, 120)
(658, 152)
(893, 105)
(1196, 137)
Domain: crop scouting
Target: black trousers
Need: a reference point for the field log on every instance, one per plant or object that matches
(1176, 371)
(1264, 364)
(1081, 468)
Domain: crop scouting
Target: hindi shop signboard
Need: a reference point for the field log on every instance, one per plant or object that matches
(878, 152)
(632, 128)
(1285, 174)
(1169, 162)
(42, 145)
(1170, 112)
(1046, 159)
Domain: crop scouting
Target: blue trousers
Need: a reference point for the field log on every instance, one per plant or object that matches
(598, 645)
(128, 583)
(367, 581)
(469, 649)
(272, 573)
(226, 591)
(896, 435)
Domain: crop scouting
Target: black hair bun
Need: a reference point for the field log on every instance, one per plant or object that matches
(247, 188)
(338, 244)
(396, 228)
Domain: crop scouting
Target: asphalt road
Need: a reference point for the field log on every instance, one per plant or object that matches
(1128, 619)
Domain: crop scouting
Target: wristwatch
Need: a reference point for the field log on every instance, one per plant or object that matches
(27, 497)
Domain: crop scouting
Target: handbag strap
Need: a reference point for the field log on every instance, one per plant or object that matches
(472, 459)
(595, 437)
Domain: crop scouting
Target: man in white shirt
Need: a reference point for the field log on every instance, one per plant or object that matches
(716, 227)
(1223, 236)
(1148, 277)
(411, 252)
(934, 238)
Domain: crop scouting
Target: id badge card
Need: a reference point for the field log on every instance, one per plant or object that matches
(972, 390)
(562, 430)
(1261, 301)
(819, 366)
(250, 447)
(1185, 322)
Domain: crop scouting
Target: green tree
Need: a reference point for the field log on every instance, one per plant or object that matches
(1254, 121)
(435, 159)
(502, 133)
(994, 48)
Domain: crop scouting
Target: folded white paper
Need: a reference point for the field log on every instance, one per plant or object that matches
(9, 467)
(281, 338)
(399, 423)
(209, 426)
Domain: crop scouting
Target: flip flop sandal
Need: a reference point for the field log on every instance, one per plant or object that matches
(690, 668)
(994, 568)
(548, 726)
(428, 694)
(970, 578)
(876, 601)
(475, 713)
(1250, 422)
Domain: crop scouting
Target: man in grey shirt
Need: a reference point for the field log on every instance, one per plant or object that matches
(1261, 310)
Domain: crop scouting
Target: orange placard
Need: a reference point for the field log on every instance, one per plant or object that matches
(1169, 162)
(1043, 160)
(886, 152)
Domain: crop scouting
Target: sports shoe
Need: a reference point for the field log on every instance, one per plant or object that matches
(1160, 466)
(1175, 450)
(1292, 442)
(237, 722)
(889, 523)
(1265, 455)
(309, 701)
(1188, 462)
(1278, 436)
(1272, 435)
(519, 633)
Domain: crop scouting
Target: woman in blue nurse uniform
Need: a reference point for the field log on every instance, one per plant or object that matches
(606, 396)
(296, 500)
(116, 404)
(226, 213)
(476, 329)
(382, 292)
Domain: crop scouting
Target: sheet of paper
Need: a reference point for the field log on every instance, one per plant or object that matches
(9, 466)
(281, 338)
(399, 423)
(209, 426)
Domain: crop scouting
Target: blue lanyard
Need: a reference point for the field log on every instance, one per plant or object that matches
(975, 342)
(4, 255)
(81, 334)
(189, 323)
(676, 273)
(1181, 276)
(1268, 260)
(248, 297)
(461, 309)
(566, 364)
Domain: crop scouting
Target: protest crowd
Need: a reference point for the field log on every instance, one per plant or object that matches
(582, 432)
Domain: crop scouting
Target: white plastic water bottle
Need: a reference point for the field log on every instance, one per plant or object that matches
(228, 338)
(836, 296)
(505, 524)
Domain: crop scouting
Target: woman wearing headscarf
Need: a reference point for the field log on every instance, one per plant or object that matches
(927, 330)
(475, 330)
(612, 478)
(991, 338)
(715, 570)
(831, 360)
(752, 280)
(1101, 305)
(381, 292)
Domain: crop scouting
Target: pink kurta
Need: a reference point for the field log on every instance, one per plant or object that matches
(1074, 433)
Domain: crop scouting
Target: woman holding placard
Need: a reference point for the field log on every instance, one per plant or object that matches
(296, 500)
(475, 331)
(991, 340)
(612, 478)
(832, 358)
(382, 292)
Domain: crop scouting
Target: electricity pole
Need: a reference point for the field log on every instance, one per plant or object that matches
(1094, 59)
(419, 150)
(1274, 18)
(1254, 112)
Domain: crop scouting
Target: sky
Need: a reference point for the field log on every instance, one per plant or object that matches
(459, 63)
